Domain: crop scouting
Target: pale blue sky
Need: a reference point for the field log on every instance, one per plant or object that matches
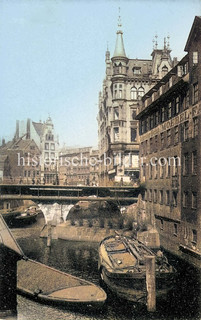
(52, 56)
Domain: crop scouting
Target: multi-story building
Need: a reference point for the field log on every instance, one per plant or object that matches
(94, 167)
(126, 81)
(21, 162)
(44, 136)
(170, 153)
(74, 166)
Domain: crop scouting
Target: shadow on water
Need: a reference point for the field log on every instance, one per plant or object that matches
(80, 259)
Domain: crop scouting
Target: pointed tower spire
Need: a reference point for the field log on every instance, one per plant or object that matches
(119, 48)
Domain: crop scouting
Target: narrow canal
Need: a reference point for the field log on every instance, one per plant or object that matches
(80, 259)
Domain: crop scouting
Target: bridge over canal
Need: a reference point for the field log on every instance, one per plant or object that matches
(71, 194)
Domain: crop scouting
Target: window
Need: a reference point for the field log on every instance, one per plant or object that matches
(194, 200)
(194, 236)
(162, 140)
(49, 137)
(116, 134)
(52, 146)
(144, 169)
(150, 170)
(25, 173)
(162, 114)
(168, 169)
(133, 114)
(168, 137)
(195, 57)
(195, 127)
(186, 127)
(141, 92)
(177, 104)
(162, 168)
(186, 106)
(161, 196)
(155, 195)
(195, 93)
(151, 121)
(145, 195)
(176, 134)
(133, 134)
(174, 198)
(164, 70)
(194, 162)
(150, 195)
(133, 93)
(46, 146)
(167, 197)
(116, 113)
(156, 143)
(185, 199)
(52, 155)
(186, 164)
(151, 145)
(156, 118)
(120, 94)
(170, 82)
(180, 71)
(156, 169)
(169, 110)
(46, 155)
(136, 70)
(162, 225)
(175, 229)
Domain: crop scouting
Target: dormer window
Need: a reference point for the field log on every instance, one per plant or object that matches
(137, 70)
(195, 57)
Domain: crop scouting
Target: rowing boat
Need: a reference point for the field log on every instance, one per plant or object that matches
(48, 285)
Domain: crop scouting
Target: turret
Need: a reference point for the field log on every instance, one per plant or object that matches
(119, 59)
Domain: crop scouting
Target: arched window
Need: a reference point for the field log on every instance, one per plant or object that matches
(164, 70)
(133, 93)
(141, 92)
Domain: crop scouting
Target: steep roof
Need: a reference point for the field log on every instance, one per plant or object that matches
(195, 30)
(38, 127)
(119, 47)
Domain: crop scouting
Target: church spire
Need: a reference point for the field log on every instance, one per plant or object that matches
(119, 48)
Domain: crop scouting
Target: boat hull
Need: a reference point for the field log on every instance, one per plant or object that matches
(125, 275)
(50, 286)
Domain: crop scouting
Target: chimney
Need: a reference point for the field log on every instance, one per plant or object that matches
(28, 129)
(17, 134)
(3, 142)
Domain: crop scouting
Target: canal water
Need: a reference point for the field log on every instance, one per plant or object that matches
(80, 259)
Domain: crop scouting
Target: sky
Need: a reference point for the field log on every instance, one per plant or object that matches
(52, 56)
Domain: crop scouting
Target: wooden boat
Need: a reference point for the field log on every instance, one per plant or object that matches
(20, 216)
(122, 268)
(47, 285)
(10, 215)
(27, 216)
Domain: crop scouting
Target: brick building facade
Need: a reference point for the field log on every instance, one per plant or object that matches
(170, 152)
